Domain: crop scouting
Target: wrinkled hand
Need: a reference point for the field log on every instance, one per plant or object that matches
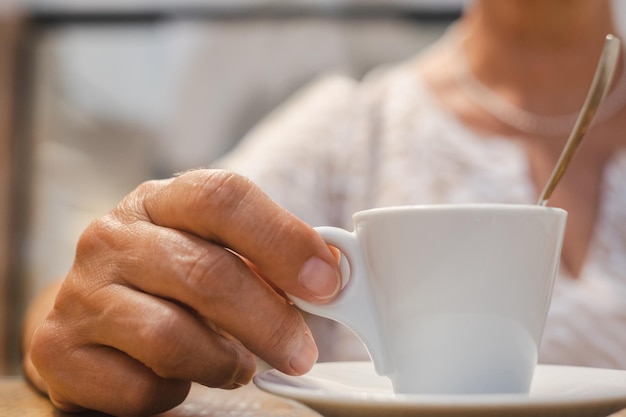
(180, 283)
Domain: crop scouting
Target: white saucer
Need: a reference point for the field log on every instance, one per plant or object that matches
(354, 389)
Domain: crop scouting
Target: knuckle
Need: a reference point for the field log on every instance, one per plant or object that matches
(50, 347)
(281, 338)
(234, 370)
(161, 340)
(94, 265)
(210, 272)
(102, 233)
(117, 227)
(132, 207)
(70, 301)
(143, 189)
(234, 366)
(221, 189)
(42, 349)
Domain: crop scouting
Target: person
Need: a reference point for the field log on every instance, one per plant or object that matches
(185, 279)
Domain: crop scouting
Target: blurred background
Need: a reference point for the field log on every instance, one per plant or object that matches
(97, 96)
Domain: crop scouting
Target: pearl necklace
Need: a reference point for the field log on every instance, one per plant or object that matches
(524, 120)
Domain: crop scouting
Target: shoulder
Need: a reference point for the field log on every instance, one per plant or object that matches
(391, 76)
(328, 94)
(337, 95)
(299, 129)
(332, 110)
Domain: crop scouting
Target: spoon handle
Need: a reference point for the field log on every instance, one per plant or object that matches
(599, 87)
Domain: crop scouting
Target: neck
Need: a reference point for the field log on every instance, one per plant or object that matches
(527, 50)
(541, 23)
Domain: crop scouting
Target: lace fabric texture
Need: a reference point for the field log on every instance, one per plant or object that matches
(341, 146)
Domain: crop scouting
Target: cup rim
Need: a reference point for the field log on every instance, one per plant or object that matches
(448, 207)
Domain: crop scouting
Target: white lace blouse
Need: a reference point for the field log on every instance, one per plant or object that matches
(341, 146)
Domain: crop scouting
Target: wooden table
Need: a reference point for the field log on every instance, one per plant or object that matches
(18, 399)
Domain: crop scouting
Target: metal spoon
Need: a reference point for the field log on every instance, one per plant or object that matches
(597, 91)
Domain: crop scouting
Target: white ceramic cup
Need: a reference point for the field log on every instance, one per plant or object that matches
(449, 299)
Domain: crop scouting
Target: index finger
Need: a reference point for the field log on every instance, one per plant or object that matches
(230, 210)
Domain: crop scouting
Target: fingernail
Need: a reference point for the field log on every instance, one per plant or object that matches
(320, 279)
(305, 355)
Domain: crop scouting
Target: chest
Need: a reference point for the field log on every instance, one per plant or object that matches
(426, 166)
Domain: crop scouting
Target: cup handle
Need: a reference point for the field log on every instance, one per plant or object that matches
(354, 306)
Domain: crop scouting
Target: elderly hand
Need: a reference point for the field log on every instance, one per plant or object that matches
(181, 282)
